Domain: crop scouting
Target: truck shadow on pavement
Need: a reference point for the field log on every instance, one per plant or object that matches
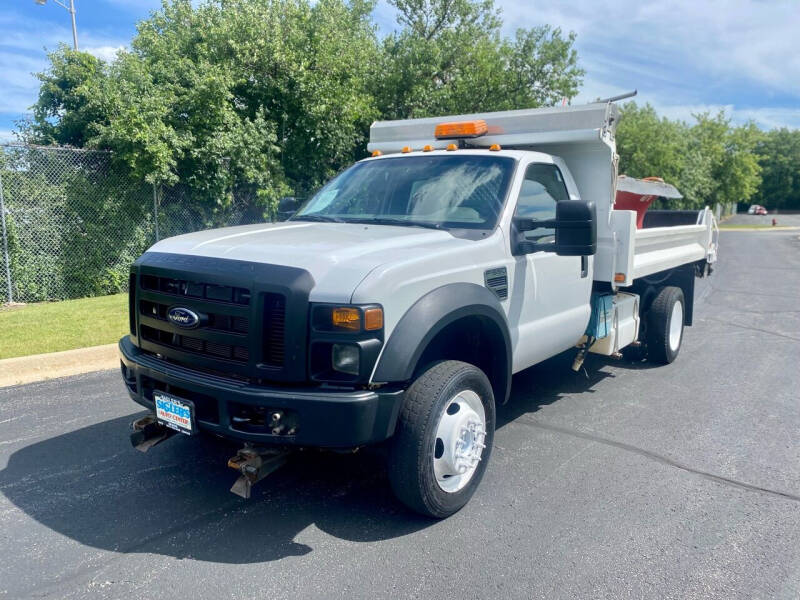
(551, 380)
(93, 487)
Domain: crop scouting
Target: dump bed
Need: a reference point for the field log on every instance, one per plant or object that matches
(660, 248)
(650, 241)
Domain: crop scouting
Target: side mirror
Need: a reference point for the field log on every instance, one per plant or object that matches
(575, 226)
(287, 206)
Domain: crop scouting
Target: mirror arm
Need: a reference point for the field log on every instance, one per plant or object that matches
(524, 224)
(531, 224)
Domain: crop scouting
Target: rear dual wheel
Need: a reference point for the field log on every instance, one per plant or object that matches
(443, 440)
(665, 319)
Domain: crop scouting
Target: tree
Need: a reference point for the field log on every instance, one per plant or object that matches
(649, 145)
(709, 162)
(263, 94)
(779, 155)
(69, 108)
(449, 57)
(734, 167)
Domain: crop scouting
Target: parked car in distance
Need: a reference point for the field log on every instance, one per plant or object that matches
(757, 209)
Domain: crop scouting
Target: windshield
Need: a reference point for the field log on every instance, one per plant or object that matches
(438, 191)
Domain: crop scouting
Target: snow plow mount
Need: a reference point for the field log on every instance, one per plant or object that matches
(147, 432)
(254, 464)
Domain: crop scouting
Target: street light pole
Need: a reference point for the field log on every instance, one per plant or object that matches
(74, 27)
(71, 10)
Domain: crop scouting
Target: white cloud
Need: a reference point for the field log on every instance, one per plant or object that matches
(766, 117)
(740, 39)
(684, 56)
(106, 53)
(19, 85)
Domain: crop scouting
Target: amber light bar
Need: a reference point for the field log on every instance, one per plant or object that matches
(461, 129)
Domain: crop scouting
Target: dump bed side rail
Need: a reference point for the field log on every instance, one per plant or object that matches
(642, 252)
(660, 248)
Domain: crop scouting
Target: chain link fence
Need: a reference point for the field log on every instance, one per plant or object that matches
(72, 223)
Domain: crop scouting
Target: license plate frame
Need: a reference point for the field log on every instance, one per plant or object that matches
(175, 413)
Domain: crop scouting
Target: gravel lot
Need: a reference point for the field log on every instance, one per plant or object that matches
(623, 481)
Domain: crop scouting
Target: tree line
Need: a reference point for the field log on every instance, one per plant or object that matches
(711, 160)
(276, 96)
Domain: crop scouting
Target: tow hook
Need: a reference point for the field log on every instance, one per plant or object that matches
(147, 432)
(254, 464)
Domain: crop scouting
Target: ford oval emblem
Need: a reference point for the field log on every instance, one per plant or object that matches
(183, 317)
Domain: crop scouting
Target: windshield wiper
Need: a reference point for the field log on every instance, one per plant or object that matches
(318, 219)
(400, 222)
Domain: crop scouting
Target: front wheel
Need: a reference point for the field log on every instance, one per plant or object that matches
(443, 440)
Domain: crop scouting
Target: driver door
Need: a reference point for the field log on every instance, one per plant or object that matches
(550, 293)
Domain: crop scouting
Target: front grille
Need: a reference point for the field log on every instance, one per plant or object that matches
(195, 345)
(275, 325)
(252, 317)
(192, 289)
(230, 323)
(223, 333)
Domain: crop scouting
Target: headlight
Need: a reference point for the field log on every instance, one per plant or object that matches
(345, 358)
(348, 318)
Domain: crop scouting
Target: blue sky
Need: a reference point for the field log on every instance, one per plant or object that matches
(684, 56)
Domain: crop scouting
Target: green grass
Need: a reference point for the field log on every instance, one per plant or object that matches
(55, 326)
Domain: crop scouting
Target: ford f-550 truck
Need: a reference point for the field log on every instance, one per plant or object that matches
(399, 300)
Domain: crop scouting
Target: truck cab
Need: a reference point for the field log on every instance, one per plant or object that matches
(396, 304)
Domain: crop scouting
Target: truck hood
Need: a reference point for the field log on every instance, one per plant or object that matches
(337, 255)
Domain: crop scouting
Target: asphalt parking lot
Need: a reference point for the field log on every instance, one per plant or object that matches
(791, 220)
(622, 481)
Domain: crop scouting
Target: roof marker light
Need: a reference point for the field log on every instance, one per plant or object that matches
(376, 153)
(427, 148)
(461, 129)
(451, 147)
(495, 147)
(406, 149)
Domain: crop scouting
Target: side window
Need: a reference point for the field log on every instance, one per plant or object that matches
(542, 187)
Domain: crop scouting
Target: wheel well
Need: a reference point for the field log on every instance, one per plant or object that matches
(476, 340)
(682, 277)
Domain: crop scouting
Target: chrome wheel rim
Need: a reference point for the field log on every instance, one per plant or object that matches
(460, 440)
(675, 326)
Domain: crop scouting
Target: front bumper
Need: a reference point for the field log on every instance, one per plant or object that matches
(331, 418)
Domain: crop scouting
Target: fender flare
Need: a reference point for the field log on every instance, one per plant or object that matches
(431, 314)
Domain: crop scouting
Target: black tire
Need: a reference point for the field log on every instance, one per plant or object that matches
(410, 461)
(659, 322)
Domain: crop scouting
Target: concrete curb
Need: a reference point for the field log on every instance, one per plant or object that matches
(38, 367)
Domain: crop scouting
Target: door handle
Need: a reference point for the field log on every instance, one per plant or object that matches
(584, 266)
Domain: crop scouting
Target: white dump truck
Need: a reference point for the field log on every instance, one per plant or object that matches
(396, 304)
